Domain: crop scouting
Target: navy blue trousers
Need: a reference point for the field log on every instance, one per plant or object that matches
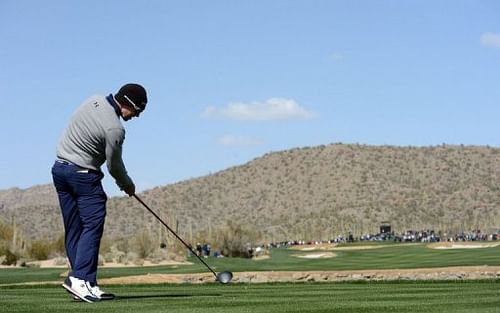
(83, 206)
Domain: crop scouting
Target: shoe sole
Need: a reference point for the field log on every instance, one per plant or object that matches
(107, 298)
(70, 290)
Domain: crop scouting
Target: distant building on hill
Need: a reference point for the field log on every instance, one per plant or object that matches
(385, 228)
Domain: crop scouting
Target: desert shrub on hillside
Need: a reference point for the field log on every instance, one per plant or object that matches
(58, 245)
(40, 249)
(143, 245)
(6, 232)
(236, 241)
(106, 245)
(7, 257)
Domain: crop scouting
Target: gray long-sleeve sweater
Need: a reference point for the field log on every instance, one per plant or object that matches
(95, 135)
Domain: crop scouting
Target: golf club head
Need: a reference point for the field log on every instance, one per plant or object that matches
(224, 277)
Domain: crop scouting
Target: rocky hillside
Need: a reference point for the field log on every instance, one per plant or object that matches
(14, 198)
(308, 193)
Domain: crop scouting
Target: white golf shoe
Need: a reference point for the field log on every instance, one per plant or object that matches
(80, 288)
(101, 294)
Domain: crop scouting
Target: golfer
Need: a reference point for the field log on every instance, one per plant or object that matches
(94, 135)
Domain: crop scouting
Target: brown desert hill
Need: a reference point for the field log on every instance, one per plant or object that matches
(37, 195)
(307, 193)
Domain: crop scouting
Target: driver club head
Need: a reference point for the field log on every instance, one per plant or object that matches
(224, 277)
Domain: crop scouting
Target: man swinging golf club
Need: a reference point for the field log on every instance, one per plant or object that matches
(94, 135)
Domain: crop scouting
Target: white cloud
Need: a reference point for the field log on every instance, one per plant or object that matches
(336, 56)
(490, 40)
(269, 110)
(230, 140)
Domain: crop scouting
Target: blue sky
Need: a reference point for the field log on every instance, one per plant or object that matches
(229, 81)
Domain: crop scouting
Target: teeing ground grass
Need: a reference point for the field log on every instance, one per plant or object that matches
(394, 297)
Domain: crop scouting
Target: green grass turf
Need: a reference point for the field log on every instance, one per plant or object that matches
(402, 256)
(425, 296)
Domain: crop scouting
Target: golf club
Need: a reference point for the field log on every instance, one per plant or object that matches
(222, 277)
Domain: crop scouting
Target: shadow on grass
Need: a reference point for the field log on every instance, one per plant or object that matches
(118, 298)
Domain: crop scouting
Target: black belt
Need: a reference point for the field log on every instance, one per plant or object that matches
(64, 162)
(82, 169)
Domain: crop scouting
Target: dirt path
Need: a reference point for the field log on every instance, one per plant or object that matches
(449, 273)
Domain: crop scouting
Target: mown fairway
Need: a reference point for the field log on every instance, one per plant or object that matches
(453, 297)
(394, 296)
(402, 256)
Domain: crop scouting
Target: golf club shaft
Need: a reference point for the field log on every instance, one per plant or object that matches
(174, 233)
